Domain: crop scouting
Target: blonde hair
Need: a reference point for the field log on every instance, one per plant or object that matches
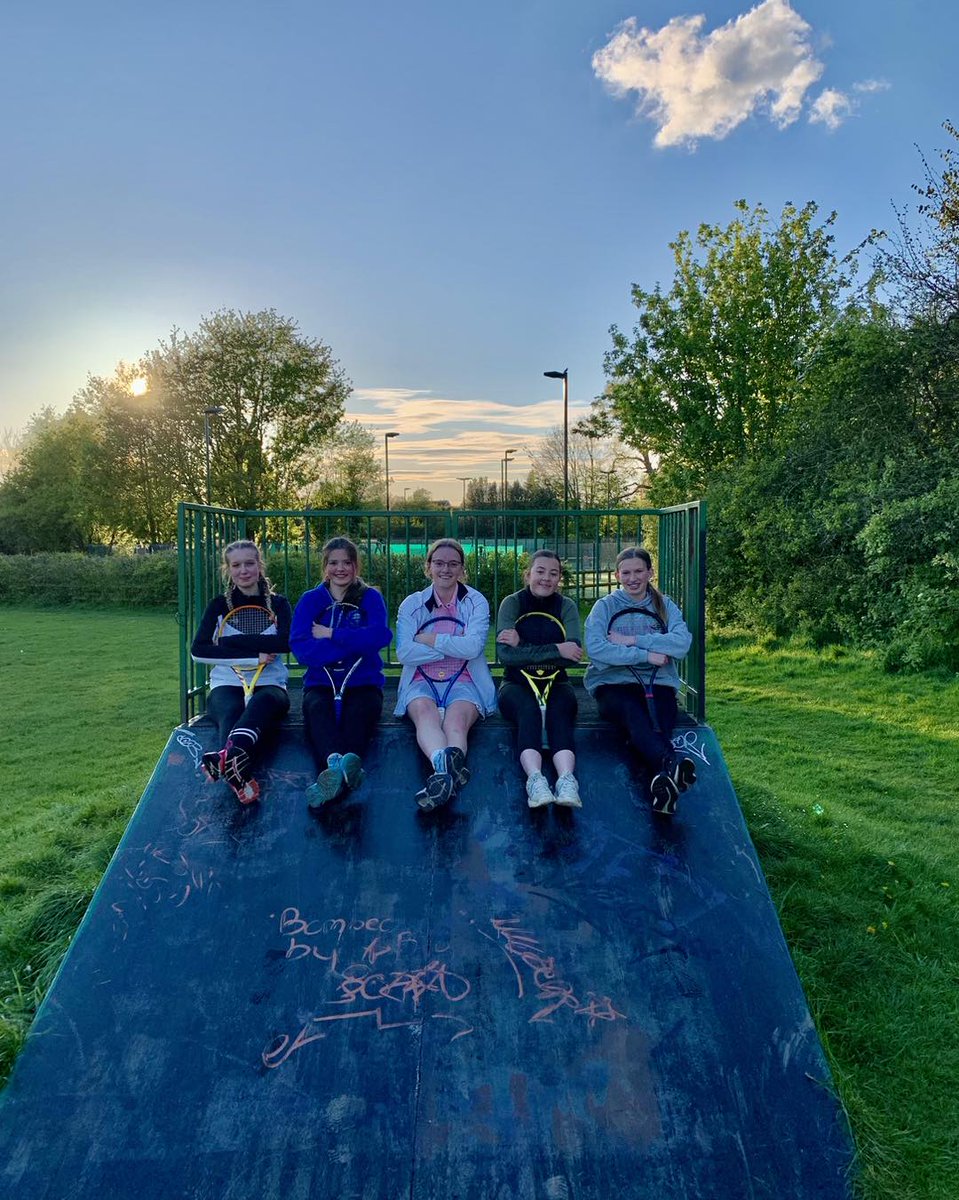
(263, 583)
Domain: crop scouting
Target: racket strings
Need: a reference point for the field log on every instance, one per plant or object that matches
(443, 668)
(250, 620)
(540, 629)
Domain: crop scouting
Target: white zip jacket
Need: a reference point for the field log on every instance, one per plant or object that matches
(473, 609)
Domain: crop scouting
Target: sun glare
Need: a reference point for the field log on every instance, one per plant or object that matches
(138, 386)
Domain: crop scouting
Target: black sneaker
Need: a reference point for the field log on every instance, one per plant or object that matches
(212, 764)
(664, 793)
(456, 766)
(682, 771)
(438, 791)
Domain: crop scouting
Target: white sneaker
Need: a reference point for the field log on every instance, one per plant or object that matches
(537, 791)
(567, 791)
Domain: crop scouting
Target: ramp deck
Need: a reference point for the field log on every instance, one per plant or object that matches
(485, 1004)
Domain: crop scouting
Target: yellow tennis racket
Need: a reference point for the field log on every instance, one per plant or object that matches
(252, 620)
(540, 629)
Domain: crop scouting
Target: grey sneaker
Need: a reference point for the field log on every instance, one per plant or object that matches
(664, 793)
(456, 766)
(438, 791)
(537, 791)
(567, 791)
(329, 784)
(352, 767)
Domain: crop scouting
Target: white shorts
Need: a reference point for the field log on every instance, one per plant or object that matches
(461, 690)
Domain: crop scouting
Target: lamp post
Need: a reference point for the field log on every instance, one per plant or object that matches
(464, 480)
(386, 449)
(214, 410)
(564, 375)
(609, 475)
(504, 473)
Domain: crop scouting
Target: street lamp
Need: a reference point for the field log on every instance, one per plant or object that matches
(564, 375)
(215, 410)
(464, 480)
(504, 473)
(386, 448)
(609, 475)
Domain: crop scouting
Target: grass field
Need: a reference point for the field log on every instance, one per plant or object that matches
(847, 777)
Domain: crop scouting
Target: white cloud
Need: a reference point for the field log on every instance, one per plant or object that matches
(871, 85)
(831, 108)
(696, 85)
(441, 439)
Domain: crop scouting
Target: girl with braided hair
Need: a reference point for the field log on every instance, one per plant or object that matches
(244, 726)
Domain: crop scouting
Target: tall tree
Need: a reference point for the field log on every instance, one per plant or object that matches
(715, 362)
(280, 394)
(10, 442)
(46, 502)
(601, 467)
(342, 470)
(923, 263)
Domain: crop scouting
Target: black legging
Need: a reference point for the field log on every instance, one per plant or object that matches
(267, 707)
(362, 706)
(624, 705)
(519, 706)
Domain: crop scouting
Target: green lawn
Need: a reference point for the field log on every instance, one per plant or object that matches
(847, 777)
(92, 697)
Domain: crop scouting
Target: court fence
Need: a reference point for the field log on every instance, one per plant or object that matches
(497, 543)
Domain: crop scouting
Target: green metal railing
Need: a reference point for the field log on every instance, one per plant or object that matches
(497, 545)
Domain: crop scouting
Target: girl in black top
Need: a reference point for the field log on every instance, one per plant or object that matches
(530, 663)
(243, 726)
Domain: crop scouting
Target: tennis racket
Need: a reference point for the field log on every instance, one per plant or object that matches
(252, 620)
(540, 629)
(641, 622)
(444, 672)
(340, 615)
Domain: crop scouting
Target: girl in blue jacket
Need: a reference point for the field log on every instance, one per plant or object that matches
(338, 631)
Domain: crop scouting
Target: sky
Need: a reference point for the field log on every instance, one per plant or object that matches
(455, 197)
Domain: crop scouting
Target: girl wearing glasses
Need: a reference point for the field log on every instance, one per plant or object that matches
(446, 685)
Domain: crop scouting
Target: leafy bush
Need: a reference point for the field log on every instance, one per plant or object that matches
(54, 580)
(912, 555)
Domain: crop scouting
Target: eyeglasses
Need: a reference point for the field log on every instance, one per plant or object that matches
(445, 566)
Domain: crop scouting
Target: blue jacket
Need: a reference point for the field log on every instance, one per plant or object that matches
(473, 608)
(365, 638)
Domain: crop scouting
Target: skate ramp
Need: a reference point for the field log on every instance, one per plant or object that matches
(487, 1003)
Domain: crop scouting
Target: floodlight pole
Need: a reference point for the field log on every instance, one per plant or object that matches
(215, 410)
(504, 473)
(564, 375)
(386, 449)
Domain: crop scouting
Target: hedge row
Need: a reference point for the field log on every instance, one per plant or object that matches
(54, 580)
(150, 580)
